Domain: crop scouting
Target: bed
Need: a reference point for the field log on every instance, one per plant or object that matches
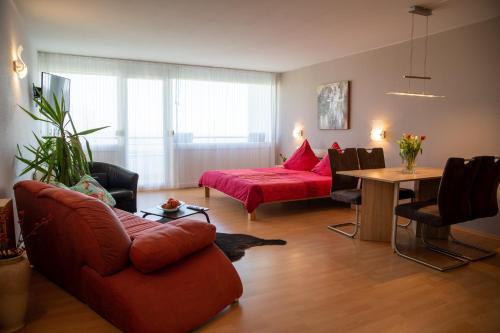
(254, 187)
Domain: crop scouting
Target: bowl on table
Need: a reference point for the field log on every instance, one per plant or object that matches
(171, 205)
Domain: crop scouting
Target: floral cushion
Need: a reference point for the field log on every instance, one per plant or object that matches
(89, 186)
(58, 184)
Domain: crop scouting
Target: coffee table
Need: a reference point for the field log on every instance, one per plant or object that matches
(182, 212)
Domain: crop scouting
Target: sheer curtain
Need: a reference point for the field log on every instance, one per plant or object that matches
(171, 122)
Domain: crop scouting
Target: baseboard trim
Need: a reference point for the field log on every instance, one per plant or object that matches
(476, 232)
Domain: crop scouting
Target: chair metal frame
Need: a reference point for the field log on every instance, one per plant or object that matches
(356, 224)
(462, 259)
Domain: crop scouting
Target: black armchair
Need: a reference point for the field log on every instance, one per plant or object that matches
(119, 182)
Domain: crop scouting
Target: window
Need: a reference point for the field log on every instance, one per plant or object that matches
(221, 118)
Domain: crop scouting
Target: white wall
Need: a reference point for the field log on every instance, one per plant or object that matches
(465, 66)
(15, 126)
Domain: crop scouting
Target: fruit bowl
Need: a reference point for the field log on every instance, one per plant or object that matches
(172, 205)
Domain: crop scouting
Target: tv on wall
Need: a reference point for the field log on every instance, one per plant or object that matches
(58, 85)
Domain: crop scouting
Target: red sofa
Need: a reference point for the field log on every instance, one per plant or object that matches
(85, 247)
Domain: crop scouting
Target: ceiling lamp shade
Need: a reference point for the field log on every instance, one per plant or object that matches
(422, 11)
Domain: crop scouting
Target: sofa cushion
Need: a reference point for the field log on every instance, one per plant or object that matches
(167, 243)
(134, 224)
(100, 239)
(303, 159)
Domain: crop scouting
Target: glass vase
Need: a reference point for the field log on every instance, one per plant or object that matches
(409, 166)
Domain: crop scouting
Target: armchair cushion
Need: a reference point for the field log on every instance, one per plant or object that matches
(102, 178)
(120, 182)
(162, 245)
(121, 194)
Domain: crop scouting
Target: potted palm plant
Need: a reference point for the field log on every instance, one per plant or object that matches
(61, 158)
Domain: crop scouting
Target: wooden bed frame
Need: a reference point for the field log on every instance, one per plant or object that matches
(252, 216)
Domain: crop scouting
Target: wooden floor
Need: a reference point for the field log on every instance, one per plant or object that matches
(319, 282)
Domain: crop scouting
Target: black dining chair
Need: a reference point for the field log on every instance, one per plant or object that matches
(483, 200)
(467, 191)
(345, 188)
(373, 158)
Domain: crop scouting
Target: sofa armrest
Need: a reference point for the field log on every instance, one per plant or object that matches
(177, 298)
(165, 244)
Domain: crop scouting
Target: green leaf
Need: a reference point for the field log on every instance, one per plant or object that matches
(89, 151)
(89, 131)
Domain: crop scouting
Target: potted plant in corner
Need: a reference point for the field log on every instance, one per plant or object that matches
(57, 158)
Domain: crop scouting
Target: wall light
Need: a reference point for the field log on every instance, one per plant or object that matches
(19, 66)
(377, 134)
(298, 132)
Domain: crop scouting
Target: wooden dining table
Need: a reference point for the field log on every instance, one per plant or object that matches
(380, 196)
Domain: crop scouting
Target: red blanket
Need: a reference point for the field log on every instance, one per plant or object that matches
(255, 186)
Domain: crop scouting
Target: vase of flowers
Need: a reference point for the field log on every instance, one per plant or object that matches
(409, 147)
(15, 274)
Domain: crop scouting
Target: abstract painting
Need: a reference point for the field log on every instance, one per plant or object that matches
(333, 105)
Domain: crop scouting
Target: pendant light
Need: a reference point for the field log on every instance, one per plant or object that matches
(422, 11)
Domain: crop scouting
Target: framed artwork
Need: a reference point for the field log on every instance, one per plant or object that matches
(333, 105)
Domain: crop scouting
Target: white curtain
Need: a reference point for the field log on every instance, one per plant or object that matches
(169, 122)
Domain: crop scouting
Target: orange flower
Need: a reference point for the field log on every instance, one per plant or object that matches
(422, 137)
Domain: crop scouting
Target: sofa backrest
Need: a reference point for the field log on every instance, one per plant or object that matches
(79, 230)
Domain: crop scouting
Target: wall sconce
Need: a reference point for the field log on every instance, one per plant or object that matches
(298, 132)
(19, 66)
(377, 134)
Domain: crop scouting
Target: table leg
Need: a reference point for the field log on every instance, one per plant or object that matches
(377, 210)
(394, 224)
(206, 216)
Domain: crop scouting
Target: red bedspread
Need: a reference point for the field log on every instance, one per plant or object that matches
(256, 186)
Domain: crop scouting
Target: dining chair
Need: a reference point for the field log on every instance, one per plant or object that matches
(373, 158)
(483, 200)
(467, 191)
(345, 188)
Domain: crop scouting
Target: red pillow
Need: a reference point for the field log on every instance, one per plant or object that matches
(165, 244)
(323, 166)
(303, 159)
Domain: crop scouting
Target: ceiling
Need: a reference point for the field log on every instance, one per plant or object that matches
(266, 35)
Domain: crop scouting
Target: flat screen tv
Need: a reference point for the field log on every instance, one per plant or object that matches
(58, 85)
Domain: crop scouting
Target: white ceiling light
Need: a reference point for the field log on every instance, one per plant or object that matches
(422, 11)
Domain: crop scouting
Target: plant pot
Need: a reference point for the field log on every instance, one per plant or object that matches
(14, 286)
